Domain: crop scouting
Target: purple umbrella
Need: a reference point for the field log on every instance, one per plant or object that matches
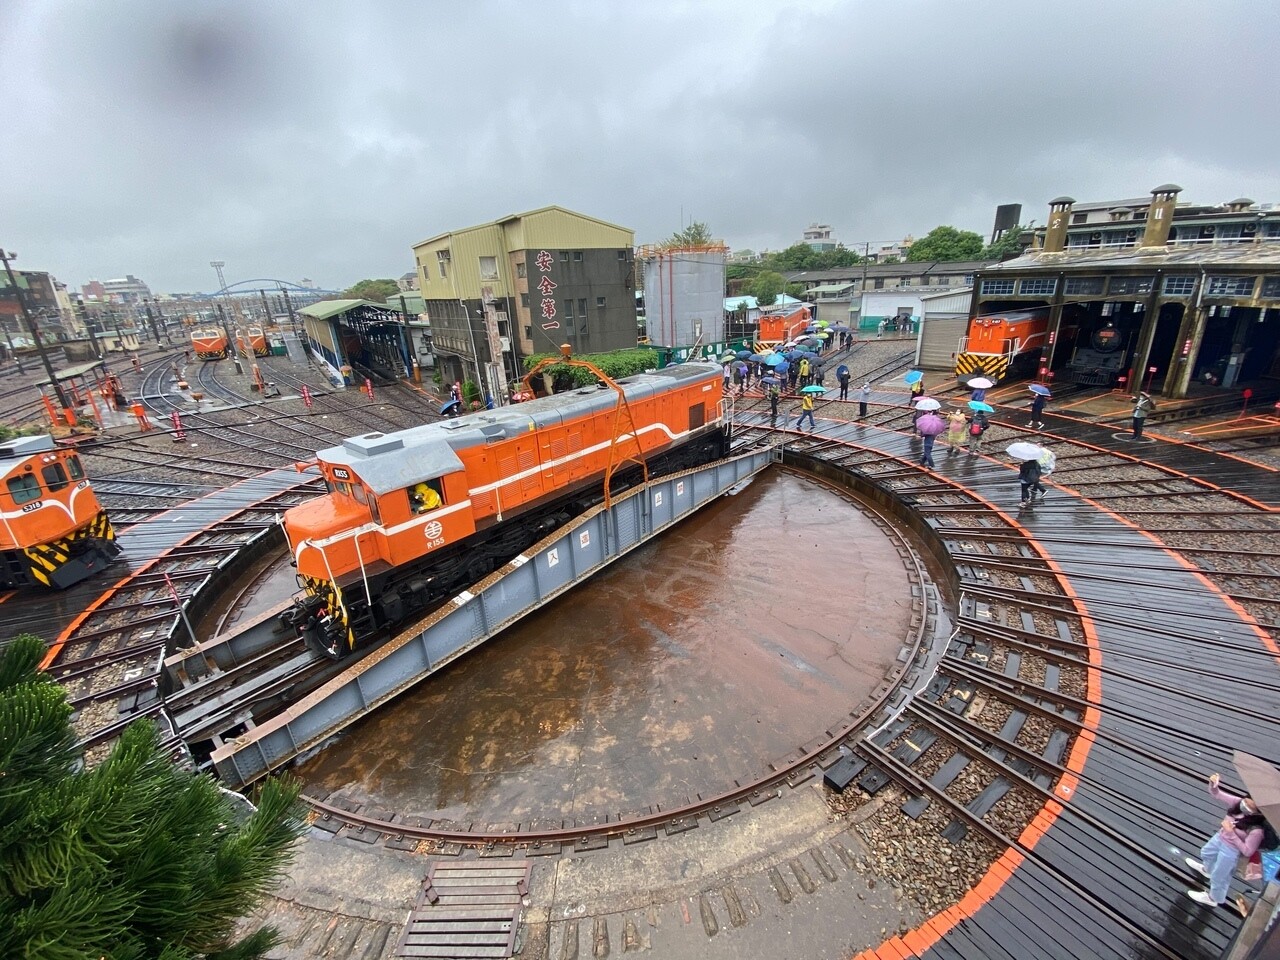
(930, 425)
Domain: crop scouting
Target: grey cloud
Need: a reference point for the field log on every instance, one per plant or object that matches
(323, 139)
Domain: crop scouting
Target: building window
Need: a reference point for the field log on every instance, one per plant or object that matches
(1179, 286)
(488, 268)
(939, 281)
(1082, 286)
(568, 310)
(1230, 286)
(968, 279)
(564, 256)
(524, 300)
(622, 256)
(528, 332)
(442, 259)
(426, 272)
(520, 270)
(1039, 287)
(879, 284)
(1131, 285)
(577, 256)
(1078, 240)
(1271, 229)
(997, 288)
(1079, 218)
(599, 303)
(1271, 288)
(582, 307)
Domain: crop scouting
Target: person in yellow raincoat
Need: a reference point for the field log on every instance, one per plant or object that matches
(955, 430)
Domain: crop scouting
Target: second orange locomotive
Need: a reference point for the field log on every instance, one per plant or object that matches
(413, 517)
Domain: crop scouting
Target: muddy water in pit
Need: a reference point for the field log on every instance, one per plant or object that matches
(726, 643)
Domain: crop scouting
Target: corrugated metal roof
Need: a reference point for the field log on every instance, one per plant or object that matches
(830, 287)
(331, 308)
(1188, 255)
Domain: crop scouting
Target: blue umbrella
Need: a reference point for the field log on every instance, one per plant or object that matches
(912, 376)
(770, 380)
(840, 328)
(813, 388)
(781, 368)
(742, 354)
(842, 371)
(979, 405)
(810, 329)
(774, 359)
(1040, 390)
(757, 358)
(450, 405)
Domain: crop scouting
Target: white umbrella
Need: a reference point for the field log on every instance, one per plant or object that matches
(928, 403)
(1022, 450)
(981, 383)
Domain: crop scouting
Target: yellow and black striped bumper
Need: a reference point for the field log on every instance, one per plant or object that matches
(989, 365)
(61, 563)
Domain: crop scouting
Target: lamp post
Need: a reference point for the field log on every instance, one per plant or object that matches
(35, 333)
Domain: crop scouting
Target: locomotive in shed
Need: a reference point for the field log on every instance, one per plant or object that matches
(413, 517)
(998, 343)
(209, 343)
(54, 533)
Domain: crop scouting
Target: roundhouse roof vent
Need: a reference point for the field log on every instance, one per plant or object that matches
(1063, 200)
(1167, 188)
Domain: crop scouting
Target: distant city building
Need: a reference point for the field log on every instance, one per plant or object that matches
(128, 289)
(501, 291)
(1149, 291)
(38, 290)
(819, 237)
(408, 282)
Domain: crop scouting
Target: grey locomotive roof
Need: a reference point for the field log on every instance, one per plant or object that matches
(25, 446)
(380, 459)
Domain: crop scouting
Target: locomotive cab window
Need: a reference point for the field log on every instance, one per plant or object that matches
(425, 496)
(24, 488)
(55, 478)
(73, 466)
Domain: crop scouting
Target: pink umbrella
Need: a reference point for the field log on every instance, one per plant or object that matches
(930, 425)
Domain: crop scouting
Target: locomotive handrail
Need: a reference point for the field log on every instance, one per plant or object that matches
(566, 357)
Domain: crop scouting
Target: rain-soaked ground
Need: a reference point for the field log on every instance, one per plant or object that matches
(727, 643)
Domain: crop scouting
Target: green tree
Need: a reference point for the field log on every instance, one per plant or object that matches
(134, 859)
(696, 234)
(1008, 245)
(616, 364)
(376, 290)
(766, 287)
(799, 256)
(891, 259)
(946, 243)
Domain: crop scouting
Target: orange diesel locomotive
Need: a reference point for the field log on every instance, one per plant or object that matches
(209, 343)
(412, 517)
(54, 533)
(1000, 341)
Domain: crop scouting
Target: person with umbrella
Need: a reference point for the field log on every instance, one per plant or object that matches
(955, 430)
(864, 397)
(1037, 405)
(1029, 476)
(774, 395)
(1143, 404)
(978, 424)
(929, 425)
(1243, 832)
(917, 386)
(980, 386)
(806, 407)
(842, 374)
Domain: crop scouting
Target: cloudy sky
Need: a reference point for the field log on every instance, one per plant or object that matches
(322, 139)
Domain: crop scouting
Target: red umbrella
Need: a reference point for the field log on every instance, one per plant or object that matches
(930, 425)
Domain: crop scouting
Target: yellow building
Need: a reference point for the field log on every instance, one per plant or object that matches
(524, 284)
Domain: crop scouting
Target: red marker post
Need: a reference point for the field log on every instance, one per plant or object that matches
(306, 396)
(368, 387)
(179, 435)
(1151, 375)
(1248, 392)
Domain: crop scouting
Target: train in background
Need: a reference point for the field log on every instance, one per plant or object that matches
(209, 343)
(413, 517)
(54, 533)
(253, 342)
(1000, 344)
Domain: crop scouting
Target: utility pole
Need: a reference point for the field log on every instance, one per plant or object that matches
(266, 308)
(35, 333)
(155, 331)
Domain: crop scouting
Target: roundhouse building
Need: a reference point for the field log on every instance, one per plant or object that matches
(1170, 293)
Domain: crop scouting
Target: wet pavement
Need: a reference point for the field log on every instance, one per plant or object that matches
(724, 645)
